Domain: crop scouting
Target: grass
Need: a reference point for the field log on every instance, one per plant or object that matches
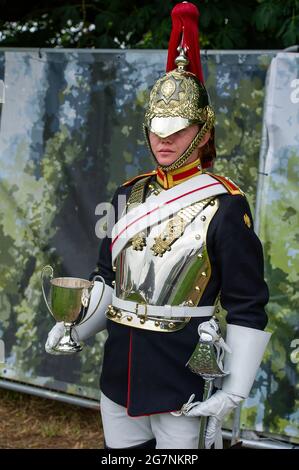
(29, 422)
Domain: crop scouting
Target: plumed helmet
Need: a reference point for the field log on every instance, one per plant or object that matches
(179, 98)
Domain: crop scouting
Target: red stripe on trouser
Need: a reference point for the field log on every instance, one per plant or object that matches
(129, 370)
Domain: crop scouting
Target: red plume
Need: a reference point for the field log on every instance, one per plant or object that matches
(185, 18)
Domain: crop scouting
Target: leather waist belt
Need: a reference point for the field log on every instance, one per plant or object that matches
(165, 311)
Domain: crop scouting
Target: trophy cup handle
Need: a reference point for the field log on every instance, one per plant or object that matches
(46, 268)
(103, 290)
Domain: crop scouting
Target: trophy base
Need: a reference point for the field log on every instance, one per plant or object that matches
(67, 349)
(67, 346)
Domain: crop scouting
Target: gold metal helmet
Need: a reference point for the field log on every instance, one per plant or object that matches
(179, 98)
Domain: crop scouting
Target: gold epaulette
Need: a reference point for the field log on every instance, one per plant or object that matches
(136, 178)
(228, 184)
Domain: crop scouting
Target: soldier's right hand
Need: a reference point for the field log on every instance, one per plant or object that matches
(54, 337)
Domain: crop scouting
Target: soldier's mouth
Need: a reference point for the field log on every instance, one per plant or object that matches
(165, 151)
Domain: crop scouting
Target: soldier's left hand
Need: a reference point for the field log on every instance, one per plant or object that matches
(216, 407)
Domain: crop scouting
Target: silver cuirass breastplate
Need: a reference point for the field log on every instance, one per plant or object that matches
(168, 264)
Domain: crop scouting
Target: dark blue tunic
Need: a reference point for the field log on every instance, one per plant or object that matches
(146, 371)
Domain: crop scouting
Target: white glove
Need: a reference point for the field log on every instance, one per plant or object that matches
(217, 407)
(54, 337)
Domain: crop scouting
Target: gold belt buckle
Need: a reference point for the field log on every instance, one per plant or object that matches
(141, 316)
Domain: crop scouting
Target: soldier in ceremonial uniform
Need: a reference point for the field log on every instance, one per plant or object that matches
(183, 240)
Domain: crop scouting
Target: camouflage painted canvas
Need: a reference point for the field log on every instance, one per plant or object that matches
(71, 132)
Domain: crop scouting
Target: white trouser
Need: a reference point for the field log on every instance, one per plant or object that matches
(170, 432)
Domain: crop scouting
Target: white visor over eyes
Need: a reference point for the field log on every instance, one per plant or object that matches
(165, 126)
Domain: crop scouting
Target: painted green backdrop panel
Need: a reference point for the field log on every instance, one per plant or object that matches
(70, 134)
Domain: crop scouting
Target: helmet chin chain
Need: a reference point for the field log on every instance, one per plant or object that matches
(180, 161)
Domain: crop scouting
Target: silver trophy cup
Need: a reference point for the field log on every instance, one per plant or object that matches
(68, 302)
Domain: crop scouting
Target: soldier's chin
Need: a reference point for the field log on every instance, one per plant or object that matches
(166, 159)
